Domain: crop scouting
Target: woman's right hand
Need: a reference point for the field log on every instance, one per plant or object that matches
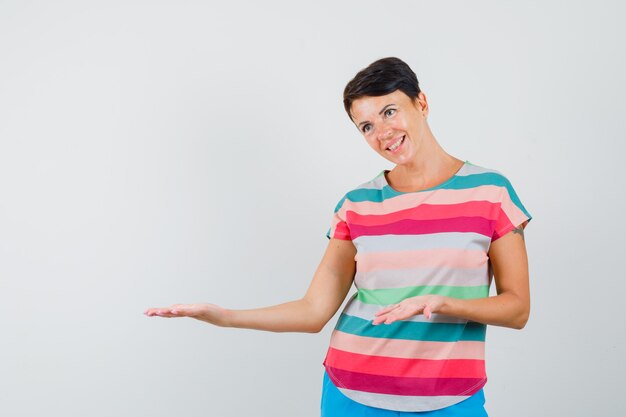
(328, 289)
(209, 313)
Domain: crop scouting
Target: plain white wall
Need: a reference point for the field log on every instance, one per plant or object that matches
(169, 152)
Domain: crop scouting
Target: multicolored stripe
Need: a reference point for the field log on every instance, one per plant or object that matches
(434, 241)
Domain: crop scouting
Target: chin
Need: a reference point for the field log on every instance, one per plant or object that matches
(401, 160)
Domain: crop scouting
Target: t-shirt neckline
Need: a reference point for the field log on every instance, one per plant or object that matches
(443, 184)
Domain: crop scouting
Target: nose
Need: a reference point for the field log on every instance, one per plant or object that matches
(384, 134)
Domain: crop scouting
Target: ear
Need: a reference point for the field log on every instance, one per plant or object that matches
(422, 103)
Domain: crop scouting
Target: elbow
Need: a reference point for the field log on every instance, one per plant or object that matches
(520, 324)
(313, 325)
(519, 313)
(316, 318)
(520, 321)
(318, 325)
(314, 328)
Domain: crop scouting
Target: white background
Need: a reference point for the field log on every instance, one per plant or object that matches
(172, 152)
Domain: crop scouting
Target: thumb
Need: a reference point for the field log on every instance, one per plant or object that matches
(427, 312)
(181, 310)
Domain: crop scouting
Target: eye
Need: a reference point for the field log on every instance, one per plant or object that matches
(390, 112)
(366, 128)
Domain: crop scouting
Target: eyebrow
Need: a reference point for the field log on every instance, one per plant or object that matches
(380, 112)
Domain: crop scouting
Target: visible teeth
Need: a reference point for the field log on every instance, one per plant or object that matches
(395, 145)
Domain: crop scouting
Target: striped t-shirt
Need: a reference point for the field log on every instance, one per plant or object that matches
(432, 241)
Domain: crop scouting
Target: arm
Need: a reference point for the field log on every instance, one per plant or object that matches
(329, 287)
(510, 308)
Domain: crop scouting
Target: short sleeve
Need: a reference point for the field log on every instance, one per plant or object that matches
(511, 212)
(338, 227)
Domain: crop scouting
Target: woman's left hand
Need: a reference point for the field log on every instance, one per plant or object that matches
(424, 304)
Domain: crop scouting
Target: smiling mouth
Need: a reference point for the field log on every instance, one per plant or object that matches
(397, 144)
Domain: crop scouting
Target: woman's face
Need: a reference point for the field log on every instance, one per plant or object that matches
(393, 125)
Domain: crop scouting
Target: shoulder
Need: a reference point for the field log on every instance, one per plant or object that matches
(497, 187)
(474, 169)
(476, 175)
(365, 190)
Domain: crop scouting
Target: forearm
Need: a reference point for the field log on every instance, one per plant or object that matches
(329, 287)
(506, 309)
(293, 316)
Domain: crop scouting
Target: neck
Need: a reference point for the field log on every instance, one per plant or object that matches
(431, 166)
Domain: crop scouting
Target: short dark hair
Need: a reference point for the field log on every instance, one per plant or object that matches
(380, 78)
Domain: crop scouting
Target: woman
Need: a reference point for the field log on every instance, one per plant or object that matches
(421, 243)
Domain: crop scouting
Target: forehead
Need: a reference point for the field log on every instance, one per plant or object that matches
(368, 107)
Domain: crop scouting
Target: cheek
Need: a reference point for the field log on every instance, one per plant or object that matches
(372, 142)
(401, 124)
(414, 125)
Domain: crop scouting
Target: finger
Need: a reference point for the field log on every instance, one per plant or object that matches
(182, 310)
(162, 312)
(393, 317)
(383, 311)
(175, 310)
(392, 314)
(387, 309)
(403, 313)
(152, 312)
(428, 312)
(381, 319)
(165, 312)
